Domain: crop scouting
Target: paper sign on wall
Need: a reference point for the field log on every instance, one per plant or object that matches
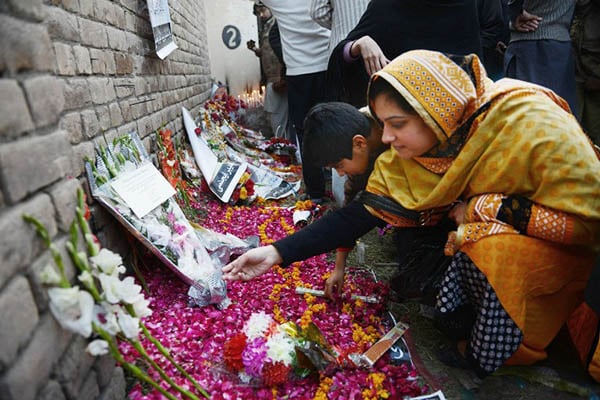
(160, 19)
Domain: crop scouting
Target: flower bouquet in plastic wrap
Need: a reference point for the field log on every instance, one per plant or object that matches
(266, 353)
(127, 184)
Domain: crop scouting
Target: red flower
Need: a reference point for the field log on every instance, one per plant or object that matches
(198, 131)
(232, 352)
(250, 187)
(275, 374)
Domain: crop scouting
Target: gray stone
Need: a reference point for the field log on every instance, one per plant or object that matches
(32, 163)
(92, 33)
(73, 367)
(71, 5)
(71, 123)
(145, 127)
(46, 99)
(64, 197)
(52, 391)
(32, 369)
(77, 93)
(104, 366)
(103, 118)
(116, 389)
(14, 113)
(116, 116)
(107, 11)
(82, 60)
(124, 87)
(24, 46)
(102, 90)
(65, 61)
(103, 62)
(86, 8)
(28, 8)
(81, 151)
(117, 39)
(91, 126)
(89, 389)
(62, 25)
(19, 315)
(19, 248)
(124, 64)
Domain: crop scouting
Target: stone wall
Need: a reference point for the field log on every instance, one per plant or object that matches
(72, 71)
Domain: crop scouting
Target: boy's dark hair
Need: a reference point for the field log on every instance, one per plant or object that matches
(328, 131)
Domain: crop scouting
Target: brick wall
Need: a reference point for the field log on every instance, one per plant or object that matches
(71, 71)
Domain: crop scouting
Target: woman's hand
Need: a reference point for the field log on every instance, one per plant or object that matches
(251, 264)
(526, 22)
(371, 54)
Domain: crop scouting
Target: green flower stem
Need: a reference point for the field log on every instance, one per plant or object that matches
(138, 346)
(135, 370)
(82, 266)
(165, 352)
(45, 236)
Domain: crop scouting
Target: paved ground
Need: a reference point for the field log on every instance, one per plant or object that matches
(560, 377)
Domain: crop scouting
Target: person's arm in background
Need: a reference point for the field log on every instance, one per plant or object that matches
(321, 11)
(520, 19)
(490, 22)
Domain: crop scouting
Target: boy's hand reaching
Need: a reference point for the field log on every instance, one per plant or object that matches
(252, 264)
(334, 284)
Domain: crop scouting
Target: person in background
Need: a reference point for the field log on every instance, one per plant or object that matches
(517, 174)
(585, 34)
(540, 49)
(495, 35)
(275, 89)
(339, 16)
(304, 46)
(388, 28)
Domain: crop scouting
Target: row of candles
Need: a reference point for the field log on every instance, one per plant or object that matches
(255, 98)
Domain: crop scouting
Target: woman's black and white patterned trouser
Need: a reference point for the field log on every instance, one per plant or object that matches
(494, 337)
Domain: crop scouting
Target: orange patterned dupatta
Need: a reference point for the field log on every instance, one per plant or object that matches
(509, 138)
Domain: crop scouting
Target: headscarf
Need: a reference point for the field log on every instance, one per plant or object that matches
(508, 137)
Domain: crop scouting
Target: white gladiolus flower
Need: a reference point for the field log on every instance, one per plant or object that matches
(97, 347)
(86, 278)
(49, 275)
(105, 317)
(107, 261)
(89, 238)
(141, 309)
(116, 290)
(73, 309)
(130, 326)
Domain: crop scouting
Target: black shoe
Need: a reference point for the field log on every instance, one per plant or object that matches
(452, 358)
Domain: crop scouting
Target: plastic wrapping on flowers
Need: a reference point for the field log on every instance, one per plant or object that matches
(204, 339)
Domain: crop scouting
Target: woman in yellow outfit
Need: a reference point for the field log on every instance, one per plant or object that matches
(521, 180)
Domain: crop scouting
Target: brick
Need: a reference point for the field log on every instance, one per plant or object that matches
(39, 289)
(64, 198)
(32, 369)
(19, 248)
(92, 33)
(124, 87)
(52, 391)
(24, 46)
(46, 99)
(86, 8)
(83, 63)
(124, 64)
(62, 25)
(106, 11)
(116, 116)
(103, 62)
(77, 93)
(102, 90)
(117, 39)
(29, 9)
(82, 150)
(73, 367)
(32, 163)
(14, 112)
(71, 5)
(104, 366)
(65, 61)
(103, 118)
(91, 126)
(19, 315)
(116, 389)
(71, 123)
(89, 389)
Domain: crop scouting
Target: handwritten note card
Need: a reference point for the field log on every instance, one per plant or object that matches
(143, 189)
